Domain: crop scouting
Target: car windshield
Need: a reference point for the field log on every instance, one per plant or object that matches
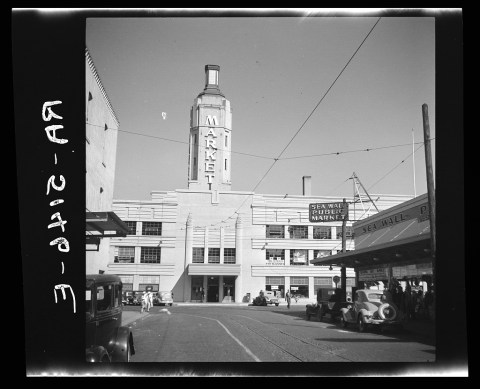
(165, 295)
(375, 296)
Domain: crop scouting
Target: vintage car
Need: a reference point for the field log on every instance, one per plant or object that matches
(372, 308)
(106, 339)
(271, 298)
(163, 298)
(329, 303)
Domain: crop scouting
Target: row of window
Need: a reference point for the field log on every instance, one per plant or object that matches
(126, 254)
(297, 257)
(148, 228)
(301, 232)
(300, 285)
(198, 255)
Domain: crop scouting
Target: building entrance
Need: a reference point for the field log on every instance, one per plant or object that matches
(197, 288)
(212, 289)
(228, 289)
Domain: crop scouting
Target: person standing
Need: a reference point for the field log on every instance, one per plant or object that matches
(149, 300)
(288, 297)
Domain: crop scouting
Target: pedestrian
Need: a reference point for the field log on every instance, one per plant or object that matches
(203, 295)
(149, 302)
(288, 297)
(144, 302)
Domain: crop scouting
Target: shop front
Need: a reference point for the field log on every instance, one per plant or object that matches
(392, 251)
(213, 283)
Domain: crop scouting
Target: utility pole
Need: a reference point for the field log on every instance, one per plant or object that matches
(343, 269)
(430, 185)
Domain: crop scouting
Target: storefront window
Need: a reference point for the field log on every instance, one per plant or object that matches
(213, 255)
(322, 232)
(298, 257)
(348, 232)
(124, 254)
(276, 285)
(275, 257)
(198, 255)
(275, 232)
(299, 286)
(321, 283)
(229, 256)
(298, 232)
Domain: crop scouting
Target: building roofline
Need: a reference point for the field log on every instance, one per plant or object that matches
(99, 82)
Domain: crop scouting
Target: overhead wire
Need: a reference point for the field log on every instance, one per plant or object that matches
(311, 113)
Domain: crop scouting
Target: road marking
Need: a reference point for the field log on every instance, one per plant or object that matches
(247, 350)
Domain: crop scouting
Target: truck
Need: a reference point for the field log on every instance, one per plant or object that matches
(329, 303)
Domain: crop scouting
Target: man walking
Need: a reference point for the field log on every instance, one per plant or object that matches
(288, 297)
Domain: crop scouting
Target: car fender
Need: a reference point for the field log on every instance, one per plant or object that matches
(97, 354)
(123, 339)
(363, 313)
(347, 314)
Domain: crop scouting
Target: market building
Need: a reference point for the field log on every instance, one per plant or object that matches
(392, 247)
(210, 243)
(101, 147)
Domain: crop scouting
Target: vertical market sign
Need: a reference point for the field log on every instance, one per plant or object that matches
(328, 212)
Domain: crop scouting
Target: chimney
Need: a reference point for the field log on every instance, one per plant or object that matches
(307, 185)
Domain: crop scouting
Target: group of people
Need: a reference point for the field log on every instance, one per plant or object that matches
(147, 301)
(413, 302)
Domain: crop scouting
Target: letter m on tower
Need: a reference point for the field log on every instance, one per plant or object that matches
(211, 120)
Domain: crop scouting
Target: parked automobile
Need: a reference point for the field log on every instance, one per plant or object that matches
(271, 298)
(329, 303)
(163, 298)
(372, 308)
(106, 339)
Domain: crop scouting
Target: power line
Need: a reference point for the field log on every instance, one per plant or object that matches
(371, 186)
(311, 113)
(328, 90)
(351, 151)
(173, 140)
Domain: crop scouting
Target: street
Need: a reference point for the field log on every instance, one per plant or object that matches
(196, 333)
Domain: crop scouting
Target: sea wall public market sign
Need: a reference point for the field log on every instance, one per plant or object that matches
(327, 212)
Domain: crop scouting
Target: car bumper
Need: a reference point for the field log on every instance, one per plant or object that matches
(382, 322)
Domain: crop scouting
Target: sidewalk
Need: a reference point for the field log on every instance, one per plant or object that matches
(424, 328)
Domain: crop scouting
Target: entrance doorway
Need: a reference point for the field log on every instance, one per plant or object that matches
(197, 287)
(229, 288)
(212, 289)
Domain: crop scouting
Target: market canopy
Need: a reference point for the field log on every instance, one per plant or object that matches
(402, 243)
(105, 225)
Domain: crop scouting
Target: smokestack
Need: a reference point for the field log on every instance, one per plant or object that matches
(307, 185)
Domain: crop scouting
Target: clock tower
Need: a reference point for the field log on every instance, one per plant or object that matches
(209, 160)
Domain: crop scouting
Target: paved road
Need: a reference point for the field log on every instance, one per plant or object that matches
(263, 334)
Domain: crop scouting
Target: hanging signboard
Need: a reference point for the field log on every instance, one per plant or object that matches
(328, 212)
(373, 274)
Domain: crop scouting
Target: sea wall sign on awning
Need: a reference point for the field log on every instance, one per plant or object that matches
(328, 212)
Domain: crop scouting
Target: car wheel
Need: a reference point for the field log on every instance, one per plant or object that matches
(361, 325)
(276, 304)
(343, 322)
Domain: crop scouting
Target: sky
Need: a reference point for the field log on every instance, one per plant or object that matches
(303, 89)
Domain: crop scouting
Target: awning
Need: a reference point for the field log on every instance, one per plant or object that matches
(394, 252)
(105, 225)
